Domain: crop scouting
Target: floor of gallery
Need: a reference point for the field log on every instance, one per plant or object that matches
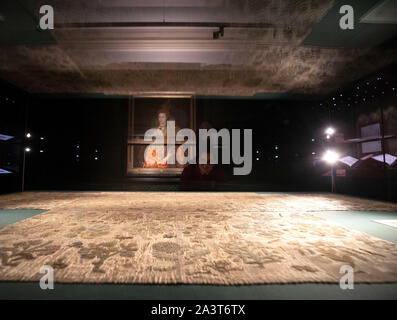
(360, 220)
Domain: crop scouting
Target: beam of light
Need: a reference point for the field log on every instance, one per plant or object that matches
(330, 156)
(2, 171)
(5, 137)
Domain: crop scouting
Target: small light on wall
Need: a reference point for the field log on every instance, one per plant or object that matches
(27, 149)
(28, 135)
(329, 131)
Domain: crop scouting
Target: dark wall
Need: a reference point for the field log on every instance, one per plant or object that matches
(80, 144)
(12, 122)
(285, 135)
(77, 143)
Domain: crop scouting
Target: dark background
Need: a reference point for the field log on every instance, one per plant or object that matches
(146, 113)
(79, 143)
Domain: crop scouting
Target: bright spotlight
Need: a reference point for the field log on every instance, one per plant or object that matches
(27, 149)
(330, 131)
(28, 135)
(331, 157)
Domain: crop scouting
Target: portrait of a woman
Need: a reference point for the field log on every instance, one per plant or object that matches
(153, 113)
(156, 156)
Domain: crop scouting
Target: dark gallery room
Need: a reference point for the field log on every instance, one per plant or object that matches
(198, 156)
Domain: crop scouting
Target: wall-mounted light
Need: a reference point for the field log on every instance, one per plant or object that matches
(219, 33)
(329, 131)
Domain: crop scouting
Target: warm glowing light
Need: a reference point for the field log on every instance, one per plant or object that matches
(331, 157)
(330, 131)
(28, 135)
(27, 149)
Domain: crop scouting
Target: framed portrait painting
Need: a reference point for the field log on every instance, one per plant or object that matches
(153, 112)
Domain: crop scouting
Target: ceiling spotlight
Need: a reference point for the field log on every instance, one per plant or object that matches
(330, 131)
(219, 33)
(331, 157)
(27, 149)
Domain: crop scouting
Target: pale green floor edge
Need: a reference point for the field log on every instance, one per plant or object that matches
(361, 221)
(11, 216)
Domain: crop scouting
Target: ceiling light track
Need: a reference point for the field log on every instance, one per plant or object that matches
(221, 26)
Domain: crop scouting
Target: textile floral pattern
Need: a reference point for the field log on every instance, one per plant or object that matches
(209, 238)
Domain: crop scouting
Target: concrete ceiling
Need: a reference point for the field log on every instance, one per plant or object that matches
(131, 46)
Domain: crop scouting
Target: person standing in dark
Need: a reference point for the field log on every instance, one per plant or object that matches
(204, 176)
